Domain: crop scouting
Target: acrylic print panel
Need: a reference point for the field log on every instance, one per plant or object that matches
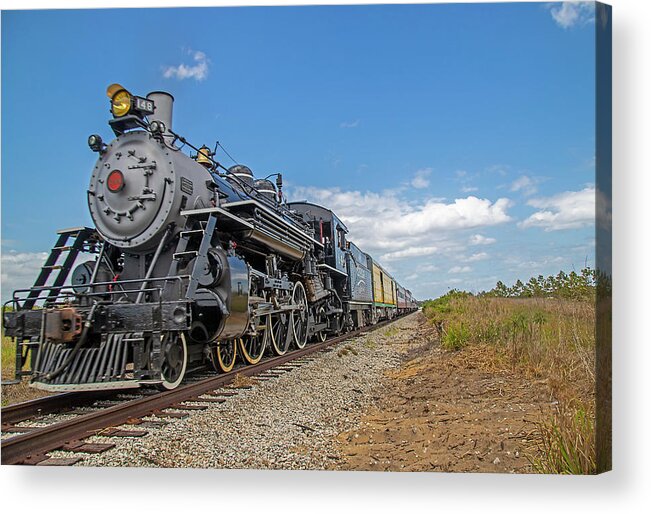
(332, 237)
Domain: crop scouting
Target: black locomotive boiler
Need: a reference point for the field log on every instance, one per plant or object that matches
(191, 263)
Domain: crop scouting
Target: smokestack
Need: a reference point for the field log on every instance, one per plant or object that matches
(164, 103)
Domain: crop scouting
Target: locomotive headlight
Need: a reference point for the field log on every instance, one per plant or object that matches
(157, 127)
(120, 103)
(95, 143)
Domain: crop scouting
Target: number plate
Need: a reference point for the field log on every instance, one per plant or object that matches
(144, 105)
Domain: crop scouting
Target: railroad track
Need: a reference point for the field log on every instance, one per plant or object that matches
(33, 445)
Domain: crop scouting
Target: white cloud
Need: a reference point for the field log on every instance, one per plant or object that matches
(19, 270)
(478, 239)
(534, 265)
(197, 71)
(410, 252)
(500, 169)
(571, 209)
(349, 124)
(480, 256)
(428, 267)
(386, 224)
(434, 215)
(420, 180)
(460, 269)
(569, 14)
(525, 184)
(469, 189)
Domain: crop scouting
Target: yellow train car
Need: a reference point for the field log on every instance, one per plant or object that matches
(384, 288)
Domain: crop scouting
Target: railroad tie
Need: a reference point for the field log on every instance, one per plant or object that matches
(182, 406)
(164, 414)
(82, 447)
(51, 461)
(118, 432)
(210, 399)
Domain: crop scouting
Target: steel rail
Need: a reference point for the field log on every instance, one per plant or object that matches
(17, 449)
(22, 411)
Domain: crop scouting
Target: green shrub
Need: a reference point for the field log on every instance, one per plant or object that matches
(455, 337)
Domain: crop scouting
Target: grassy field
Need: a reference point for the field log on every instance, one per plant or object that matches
(550, 340)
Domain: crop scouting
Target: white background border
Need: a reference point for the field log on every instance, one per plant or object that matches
(626, 489)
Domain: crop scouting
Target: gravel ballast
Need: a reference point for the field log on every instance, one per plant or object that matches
(289, 422)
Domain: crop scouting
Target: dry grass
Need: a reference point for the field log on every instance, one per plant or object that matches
(391, 331)
(240, 381)
(16, 392)
(566, 443)
(8, 358)
(548, 340)
(346, 350)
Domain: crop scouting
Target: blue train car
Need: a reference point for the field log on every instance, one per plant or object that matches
(360, 286)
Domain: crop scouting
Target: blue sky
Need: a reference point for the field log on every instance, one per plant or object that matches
(456, 141)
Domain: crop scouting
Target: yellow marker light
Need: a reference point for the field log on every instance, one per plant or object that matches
(114, 88)
(120, 103)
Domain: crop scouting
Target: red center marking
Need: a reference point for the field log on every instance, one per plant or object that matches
(115, 181)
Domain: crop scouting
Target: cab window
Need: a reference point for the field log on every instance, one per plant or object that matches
(341, 239)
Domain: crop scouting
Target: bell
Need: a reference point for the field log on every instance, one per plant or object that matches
(203, 156)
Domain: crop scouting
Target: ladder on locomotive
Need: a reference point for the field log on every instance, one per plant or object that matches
(189, 233)
(82, 236)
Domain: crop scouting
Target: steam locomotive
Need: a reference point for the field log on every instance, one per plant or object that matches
(191, 264)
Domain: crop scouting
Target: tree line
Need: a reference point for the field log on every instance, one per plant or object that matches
(584, 285)
(573, 285)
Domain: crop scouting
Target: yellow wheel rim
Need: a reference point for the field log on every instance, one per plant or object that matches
(226, 366)
(264, 334)
(245, 355)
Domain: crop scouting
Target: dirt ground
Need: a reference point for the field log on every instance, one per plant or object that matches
(447, 411)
